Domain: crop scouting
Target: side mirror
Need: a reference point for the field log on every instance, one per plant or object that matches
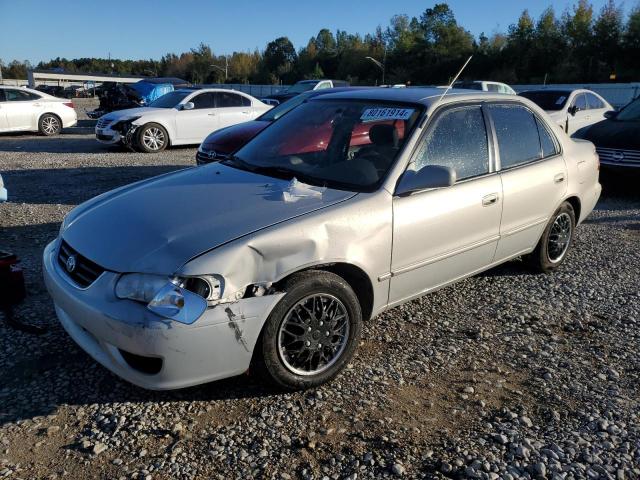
(430, 176)
(573, 110)
(610, 114)
(188, 106)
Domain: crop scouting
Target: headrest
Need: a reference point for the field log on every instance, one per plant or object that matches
(383, 135)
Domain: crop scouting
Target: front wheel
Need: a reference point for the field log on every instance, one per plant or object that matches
(152, 138)
(556, 239)
(312, 333)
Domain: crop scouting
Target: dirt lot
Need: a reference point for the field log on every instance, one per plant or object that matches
(506, 375)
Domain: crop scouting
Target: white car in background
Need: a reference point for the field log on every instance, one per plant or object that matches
(3, 191)
(570, 109)
(181, 117)
(26, 110)
(485, 86)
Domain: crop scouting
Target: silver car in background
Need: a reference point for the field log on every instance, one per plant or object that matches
(348, 205)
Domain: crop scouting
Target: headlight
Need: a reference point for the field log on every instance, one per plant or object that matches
(140, 287)
(210, 287)
(163, 296)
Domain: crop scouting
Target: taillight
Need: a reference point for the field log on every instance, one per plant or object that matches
(68, 104)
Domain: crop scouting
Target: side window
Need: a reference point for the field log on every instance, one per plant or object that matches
(594, 102)
(492, 87)
(246, 102)
(547, 144)
(581, 102)
(19, 96)
(226, 100)
(457, 139)
(2, 98)
(517, 134)
(323, 85)
(204, 100)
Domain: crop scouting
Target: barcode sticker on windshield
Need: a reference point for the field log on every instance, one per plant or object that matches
(375, 114)
(560, 100)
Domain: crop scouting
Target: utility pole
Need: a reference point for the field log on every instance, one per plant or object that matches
(225, 69)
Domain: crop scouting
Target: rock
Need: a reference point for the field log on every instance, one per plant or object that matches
(398, 469)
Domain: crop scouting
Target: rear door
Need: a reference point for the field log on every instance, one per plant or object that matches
(533, 174)
(193, 126)
(233, 108)
(442, 234)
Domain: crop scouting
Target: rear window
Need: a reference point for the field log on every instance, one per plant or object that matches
(517, 135)
(547, 100)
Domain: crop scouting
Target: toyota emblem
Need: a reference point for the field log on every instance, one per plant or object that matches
(70, 264)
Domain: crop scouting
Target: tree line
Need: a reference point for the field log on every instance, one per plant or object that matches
(577, 45)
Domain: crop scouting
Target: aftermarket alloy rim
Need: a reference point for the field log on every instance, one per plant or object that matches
(559, 237)
(313, 334)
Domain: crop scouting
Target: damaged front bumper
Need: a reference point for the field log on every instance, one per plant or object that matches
(118, 132)
(150, 351)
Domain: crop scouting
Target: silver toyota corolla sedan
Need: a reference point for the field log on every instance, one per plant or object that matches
(348, 205)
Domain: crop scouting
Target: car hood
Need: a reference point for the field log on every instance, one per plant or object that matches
(614, 134)
(229, 139)
(158, 225)
(131, 112)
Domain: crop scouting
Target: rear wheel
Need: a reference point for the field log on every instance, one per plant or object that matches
(556, 239)
(312, 333)
(152, 138)
(49, 124)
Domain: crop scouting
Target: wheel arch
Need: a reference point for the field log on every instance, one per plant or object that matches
(574, 201)
(355, 276)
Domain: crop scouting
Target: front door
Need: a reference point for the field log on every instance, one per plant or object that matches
(533, 173)
(21, 109)
(582, 114)
(440, 235)
(193, 126)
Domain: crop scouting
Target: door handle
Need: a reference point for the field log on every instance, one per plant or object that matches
(490, 199)
(37, 104)
(246, 112)
(559, 178)
(211, 114)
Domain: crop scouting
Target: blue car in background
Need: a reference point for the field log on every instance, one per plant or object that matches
(3, 191)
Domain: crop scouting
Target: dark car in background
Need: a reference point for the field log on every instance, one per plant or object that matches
(219, 144)
(617, 139)
(301, 87)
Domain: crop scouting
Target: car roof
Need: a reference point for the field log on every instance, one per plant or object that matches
(555, 91)
(424, 96)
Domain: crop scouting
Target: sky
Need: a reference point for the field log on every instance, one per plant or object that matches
(38, 30)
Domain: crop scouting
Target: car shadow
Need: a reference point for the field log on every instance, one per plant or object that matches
(71, 186)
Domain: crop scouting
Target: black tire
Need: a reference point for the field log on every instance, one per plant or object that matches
(544, 258)
(145, 136)
(268, 361)
(49, 125)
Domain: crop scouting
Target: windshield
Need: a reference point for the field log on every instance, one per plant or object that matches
(348, 145)
(631, 112)
(276, 112)
(302, 87)
(548, 100)
(169, 100)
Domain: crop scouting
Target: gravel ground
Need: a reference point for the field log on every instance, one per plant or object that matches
(508, 374)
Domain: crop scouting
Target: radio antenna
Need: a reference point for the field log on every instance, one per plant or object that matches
(453, 81)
